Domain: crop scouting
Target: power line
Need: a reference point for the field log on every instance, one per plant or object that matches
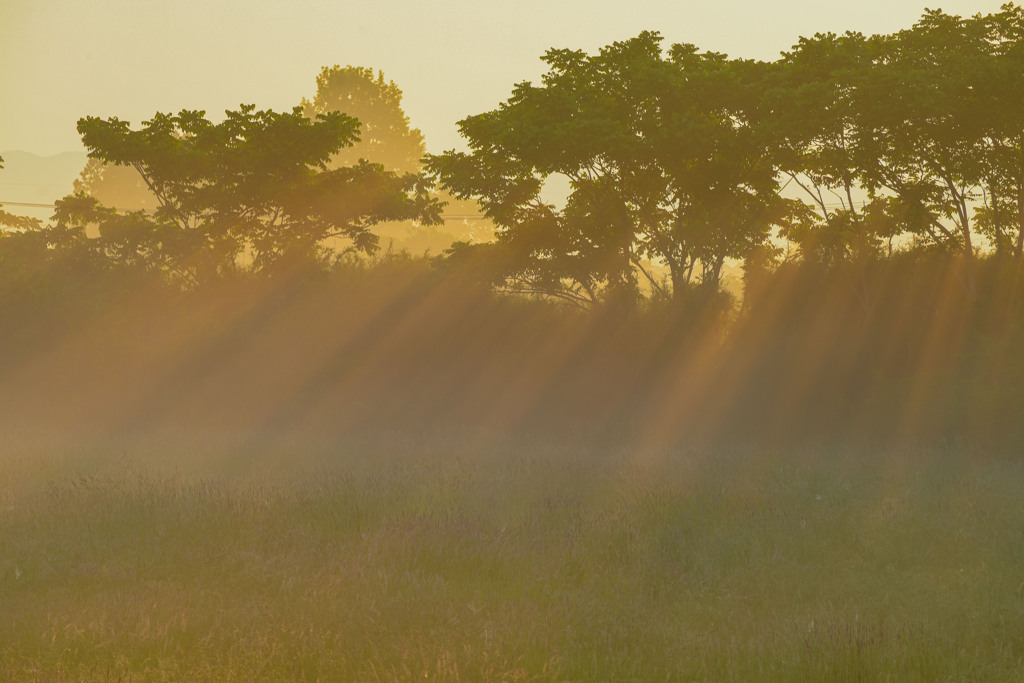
(454, 217)
(28, 204)
(32, 205)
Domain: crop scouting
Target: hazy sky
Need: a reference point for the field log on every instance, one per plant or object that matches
(64, 59)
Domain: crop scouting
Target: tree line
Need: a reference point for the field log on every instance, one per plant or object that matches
(679, 158)
(846, 150)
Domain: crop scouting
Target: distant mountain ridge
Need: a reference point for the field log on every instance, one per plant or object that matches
(32, 178)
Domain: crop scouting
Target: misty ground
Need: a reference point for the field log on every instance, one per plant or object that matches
(473, 556)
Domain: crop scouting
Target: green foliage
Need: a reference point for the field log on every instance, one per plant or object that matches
(11, 222)
(925, 121)
(384, 137)
(253, 187)
(662, 158)
(38, 265)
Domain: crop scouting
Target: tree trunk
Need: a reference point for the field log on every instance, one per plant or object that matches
(970, 284)
(1018, 251)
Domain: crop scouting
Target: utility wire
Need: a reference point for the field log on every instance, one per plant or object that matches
(28, 204)
(32, 205)
(454, 217)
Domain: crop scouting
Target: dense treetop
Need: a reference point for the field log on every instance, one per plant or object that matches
(677, 159)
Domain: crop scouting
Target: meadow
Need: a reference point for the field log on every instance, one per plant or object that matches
(467, 556)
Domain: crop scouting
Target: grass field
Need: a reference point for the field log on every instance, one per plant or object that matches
(464, 559)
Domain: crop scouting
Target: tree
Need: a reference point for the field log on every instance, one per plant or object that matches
(1000, 95)
(253, 187)
(662, 162)
(36, 260)
(13, 224)
(385, 137)
(811, 101)
(811, 106)
(924, 121)
(922, 141)
(937, 109)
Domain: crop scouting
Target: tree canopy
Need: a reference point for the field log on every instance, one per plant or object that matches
(661, 156)
(925, 122)
(680, 160)
(252, 190)
(384, 136)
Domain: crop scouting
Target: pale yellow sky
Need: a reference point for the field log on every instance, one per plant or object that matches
(64, 59)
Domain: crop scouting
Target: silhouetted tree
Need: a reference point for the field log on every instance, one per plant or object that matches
(13, 224)
(384, 137)
(661, 158)
(810, 107)
(995, 69)
(811, 100)
(255, 186)
(924, 123)
(921, 140)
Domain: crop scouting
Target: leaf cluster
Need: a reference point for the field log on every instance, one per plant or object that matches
(255, 190)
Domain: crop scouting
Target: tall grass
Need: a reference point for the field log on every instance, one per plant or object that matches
(462, 558)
